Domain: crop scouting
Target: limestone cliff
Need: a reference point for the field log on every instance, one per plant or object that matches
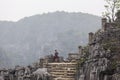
(102, 59)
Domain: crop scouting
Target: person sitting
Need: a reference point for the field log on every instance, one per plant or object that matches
(56, 57)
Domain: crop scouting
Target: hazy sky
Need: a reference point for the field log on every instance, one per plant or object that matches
(17, 9)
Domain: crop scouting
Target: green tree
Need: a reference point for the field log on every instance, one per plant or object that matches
(112, 6)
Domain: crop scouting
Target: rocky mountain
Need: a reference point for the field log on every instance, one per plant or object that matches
(101, 58)
(25, 41)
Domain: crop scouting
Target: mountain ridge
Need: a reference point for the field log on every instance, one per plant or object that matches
(32, 37)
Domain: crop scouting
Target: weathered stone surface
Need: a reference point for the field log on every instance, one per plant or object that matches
(104, 48)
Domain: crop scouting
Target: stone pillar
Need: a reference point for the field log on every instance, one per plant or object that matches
(41, 62)
(118, 17)
(80, 51)
(91, 76)
(104, 21)
(105, 77)
(82, 76)
(91, 35)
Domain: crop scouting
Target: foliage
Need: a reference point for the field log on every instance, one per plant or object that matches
(111, 7)
(112, 65)
(86, 49)
(111, 45)
(80, 62)
(84, 56)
